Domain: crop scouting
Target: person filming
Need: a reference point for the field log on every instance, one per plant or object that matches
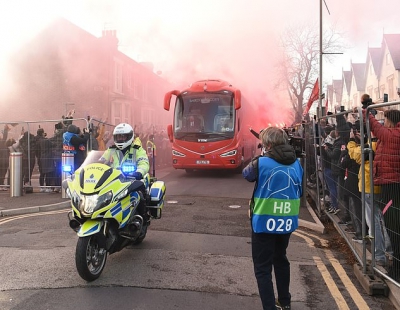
(274, 213)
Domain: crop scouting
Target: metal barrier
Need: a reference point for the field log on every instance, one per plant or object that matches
(16, 174)
(67, 159)
(373, 229)
(41, 163)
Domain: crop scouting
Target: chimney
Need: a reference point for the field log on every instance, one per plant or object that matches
(109, 37)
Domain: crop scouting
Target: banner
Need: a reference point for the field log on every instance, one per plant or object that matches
(314, 96)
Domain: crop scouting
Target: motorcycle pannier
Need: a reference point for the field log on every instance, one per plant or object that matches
(157, 192)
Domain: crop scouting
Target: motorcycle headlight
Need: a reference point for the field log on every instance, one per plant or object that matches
(76, 200)
(91, 203)
(104, 200)
(88, 203)
(122, 194)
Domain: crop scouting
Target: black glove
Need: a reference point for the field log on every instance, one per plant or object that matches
(137, 175)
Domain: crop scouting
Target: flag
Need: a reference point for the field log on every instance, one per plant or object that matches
(314, 96)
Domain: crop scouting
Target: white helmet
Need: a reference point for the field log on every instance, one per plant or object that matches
(123, 135)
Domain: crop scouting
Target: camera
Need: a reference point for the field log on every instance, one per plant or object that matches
(298, 143)
(366, 102)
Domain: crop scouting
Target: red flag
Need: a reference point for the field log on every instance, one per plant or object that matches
(314, 96)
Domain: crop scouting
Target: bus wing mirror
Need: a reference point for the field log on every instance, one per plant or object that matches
(169, 132)
(238, 99)
(167, 98)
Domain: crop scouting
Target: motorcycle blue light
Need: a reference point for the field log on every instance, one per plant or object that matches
(67, 168)
(128, 168)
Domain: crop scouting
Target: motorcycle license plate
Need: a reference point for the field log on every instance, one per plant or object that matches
(202, 162)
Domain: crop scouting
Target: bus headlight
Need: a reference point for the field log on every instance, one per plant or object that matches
(176, 153)
(229, 153)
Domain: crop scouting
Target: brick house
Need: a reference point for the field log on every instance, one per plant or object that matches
(64, 67)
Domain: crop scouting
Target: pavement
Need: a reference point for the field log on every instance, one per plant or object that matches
(31, 203)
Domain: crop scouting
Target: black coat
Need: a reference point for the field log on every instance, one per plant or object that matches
(45, 155)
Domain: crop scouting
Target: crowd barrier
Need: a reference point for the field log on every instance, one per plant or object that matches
(369, 214)
(21, 137)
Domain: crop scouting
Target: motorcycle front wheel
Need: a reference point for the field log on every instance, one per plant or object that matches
(90, 258)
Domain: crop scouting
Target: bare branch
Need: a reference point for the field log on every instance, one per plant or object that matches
(299, 66)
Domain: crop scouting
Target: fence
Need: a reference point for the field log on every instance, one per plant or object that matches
(42, 158)
(358, 173)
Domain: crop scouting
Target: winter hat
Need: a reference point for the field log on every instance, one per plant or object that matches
(73, 129)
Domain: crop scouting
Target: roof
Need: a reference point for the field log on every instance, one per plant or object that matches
(338, 89)
(392, 41)
(347, 81)
(359, 75)
(376, 58)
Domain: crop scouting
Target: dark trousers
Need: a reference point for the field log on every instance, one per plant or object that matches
(46, 179)
(269, 250)
(3, 172)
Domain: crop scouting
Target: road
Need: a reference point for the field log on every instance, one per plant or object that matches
(197, 256)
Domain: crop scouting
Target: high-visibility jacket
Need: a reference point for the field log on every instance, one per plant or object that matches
(136, 154)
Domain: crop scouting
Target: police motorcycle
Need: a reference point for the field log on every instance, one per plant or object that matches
(105, 209)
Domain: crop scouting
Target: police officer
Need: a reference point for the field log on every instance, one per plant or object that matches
(132, 153)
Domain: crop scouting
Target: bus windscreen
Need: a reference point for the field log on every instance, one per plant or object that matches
(204, 115)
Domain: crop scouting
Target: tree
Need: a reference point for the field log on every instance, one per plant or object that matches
(299, 65)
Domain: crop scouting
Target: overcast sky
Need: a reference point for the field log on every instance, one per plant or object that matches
(189, 40)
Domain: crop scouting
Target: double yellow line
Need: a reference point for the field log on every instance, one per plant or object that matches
(330, 283)
(7, 219)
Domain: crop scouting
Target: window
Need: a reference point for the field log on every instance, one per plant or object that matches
(121, 112)
(137, 87)
(376, 93)
(116, 112)
(147, 116)
(382, 91)
(127, 113)
(387, 58)
(117, 76)
(130, 78)
(390, 86)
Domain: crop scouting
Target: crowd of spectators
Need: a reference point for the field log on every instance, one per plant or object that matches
(42, 153)
(345, 177)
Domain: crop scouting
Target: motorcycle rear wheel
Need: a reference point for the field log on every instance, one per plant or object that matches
(90, 258)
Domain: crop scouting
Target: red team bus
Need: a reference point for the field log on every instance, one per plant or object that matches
(210, 127)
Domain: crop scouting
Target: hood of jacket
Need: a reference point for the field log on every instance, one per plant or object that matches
(283, 154)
